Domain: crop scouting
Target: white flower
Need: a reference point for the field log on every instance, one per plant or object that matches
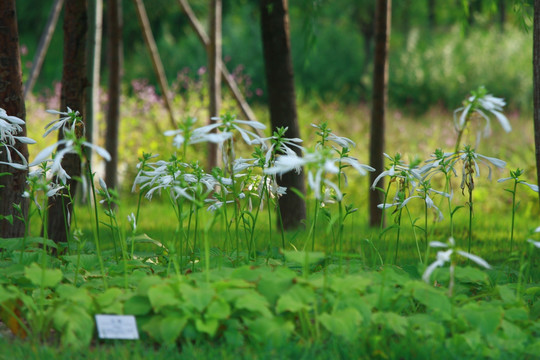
(483, 104)
(69, 147)
(68, 121)
(446, 256)
(10, 126)
(132, 221)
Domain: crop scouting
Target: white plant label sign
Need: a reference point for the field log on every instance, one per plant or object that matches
(122, 327)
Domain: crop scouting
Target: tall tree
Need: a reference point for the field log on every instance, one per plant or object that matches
(536, 85)
(43, 46)
(383, 15)
(74, 82)
(12, 184)
(115, 57)
(93, 59)
(214, 67)
(282, 98)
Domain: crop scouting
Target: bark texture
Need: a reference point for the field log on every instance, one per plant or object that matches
(214, 67)
(115, 57)
(74, 82)
(282, 98)
(12, 101)
(380, 84)
(536, 86)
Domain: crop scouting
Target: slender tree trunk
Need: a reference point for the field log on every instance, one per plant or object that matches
(95, 31)
(432, 20)
(231, 84)
(282, 98)
(74, 82)
(43, 46)
(12, 184)
(383, 14)
(214, 68)
(502, 14)
(156, 60)
(115, 57)
(536, 81)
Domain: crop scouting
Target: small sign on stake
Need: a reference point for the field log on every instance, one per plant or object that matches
(122, 327)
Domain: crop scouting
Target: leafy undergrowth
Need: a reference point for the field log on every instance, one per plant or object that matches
(380, 313)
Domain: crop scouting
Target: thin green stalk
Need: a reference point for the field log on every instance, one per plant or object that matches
(470, 219)
(96, 233)
(513, 215)
(398, 234)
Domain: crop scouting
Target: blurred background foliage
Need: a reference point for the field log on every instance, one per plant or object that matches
(434, 61)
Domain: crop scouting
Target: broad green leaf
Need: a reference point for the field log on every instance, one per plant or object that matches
(508, 295)
(171, 327)
(304, 257)
(482, 316)
(471, 275)
(74, 324)
(108, 301)
(162, 295)
(137, 305)
(349, 283)
(253, 302)
(434, 300)
(343, 323)
(43, 277)
(71, 293)
(516, 314)
(209, 326)
(197, 298)
(218, 309)
(295, 299)
(271, 332)
(147, 283)
(391, 321)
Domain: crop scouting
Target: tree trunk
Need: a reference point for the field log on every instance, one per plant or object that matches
(93, 58)
(432, 20)
(156, 60)
(282, 98)
(502, 14)
(231, 84)
(383, 16)
(13, 184)
(214, 68)
(74, 83)
(43, 46)
(536, 81)
(115, 57)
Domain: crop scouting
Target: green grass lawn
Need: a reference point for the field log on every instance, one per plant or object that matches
(358, 295)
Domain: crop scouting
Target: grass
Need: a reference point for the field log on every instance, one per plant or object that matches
(387, 303)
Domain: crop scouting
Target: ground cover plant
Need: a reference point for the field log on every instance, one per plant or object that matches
(453, 272)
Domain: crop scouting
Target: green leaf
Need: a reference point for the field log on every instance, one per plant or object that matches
(197, 298)
(508, 295)
(271, 332)
(482, 316)
(304, 257)
(43, 277)
(392, 321)
(297, 298)
(171, 327)
(218, 309)
(74, 324)
(209, 326)
(343, 323)
(162, 295)
(137, 305)
(433, 299)
(73, 294)
(253, 302)
(108, 301)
